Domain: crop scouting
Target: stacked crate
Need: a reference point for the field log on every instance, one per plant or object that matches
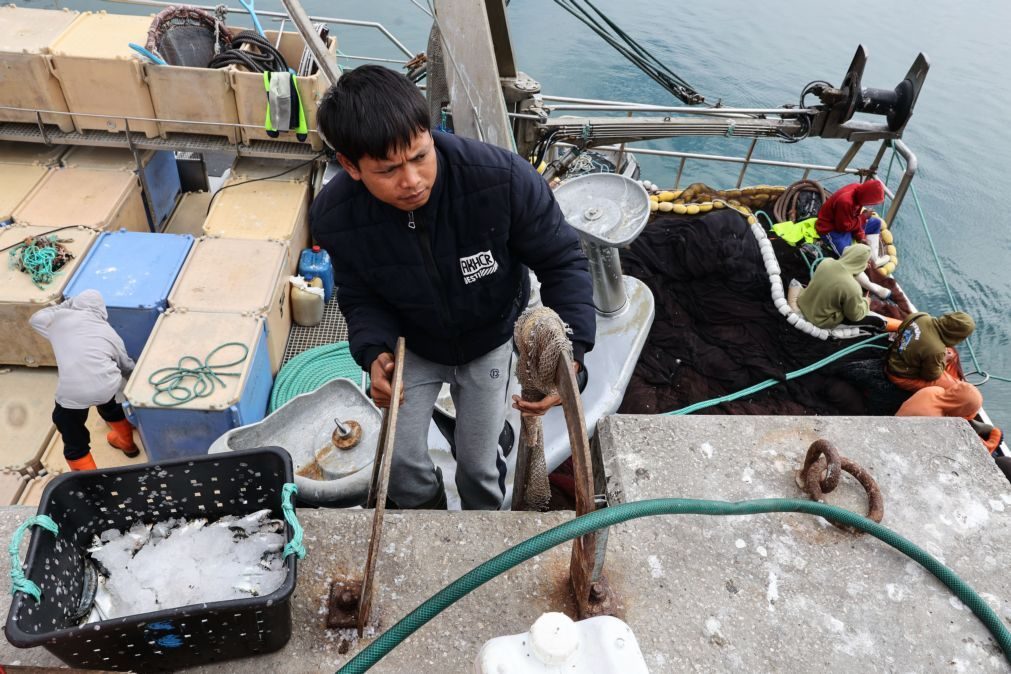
(160, 174)
(95, 198)
(20, 298)
(134, 273)
(26, 76)
(173, 424)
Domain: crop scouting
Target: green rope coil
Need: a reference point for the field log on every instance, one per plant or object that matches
(19, 583)
(294, 546)
(310, 369)
(169, 381)
(611, 516)
(768, 383)
(36, 261)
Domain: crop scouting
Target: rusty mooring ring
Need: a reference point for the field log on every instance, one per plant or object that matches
(832, 474)
(875, 501)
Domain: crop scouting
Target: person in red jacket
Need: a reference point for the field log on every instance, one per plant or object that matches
(843, 220)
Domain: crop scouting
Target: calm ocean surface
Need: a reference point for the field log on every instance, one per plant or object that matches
(761, 55)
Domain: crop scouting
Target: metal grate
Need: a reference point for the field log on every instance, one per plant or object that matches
(331, 329)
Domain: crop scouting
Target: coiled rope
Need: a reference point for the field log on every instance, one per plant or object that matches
(40, 257)
(785, 207)
(169, 381)
(608, 517)
(310, 369)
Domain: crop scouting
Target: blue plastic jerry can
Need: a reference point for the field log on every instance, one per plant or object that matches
(316, 262)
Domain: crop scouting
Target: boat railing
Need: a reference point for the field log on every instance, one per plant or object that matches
(807, 169)
(283, 16)
(556, 104)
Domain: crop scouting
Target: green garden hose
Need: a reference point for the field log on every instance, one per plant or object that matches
(310, 369)
(611, 516)
(808, 369)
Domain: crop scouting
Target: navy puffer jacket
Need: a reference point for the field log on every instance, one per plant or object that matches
(453, 285)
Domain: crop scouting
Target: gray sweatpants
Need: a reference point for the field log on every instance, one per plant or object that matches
(479, 389)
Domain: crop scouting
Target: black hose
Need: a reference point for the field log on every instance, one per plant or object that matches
(262, 58)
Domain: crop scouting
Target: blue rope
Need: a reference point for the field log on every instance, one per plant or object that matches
(19, 583)
(940, 268)
(768, 383)
(294, 546)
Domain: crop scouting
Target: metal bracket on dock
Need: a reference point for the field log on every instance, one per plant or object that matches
(350, 600)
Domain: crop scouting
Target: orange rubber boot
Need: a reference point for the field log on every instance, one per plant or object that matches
(892, 324)
(993, 441)
(121, 437)
(86, 462)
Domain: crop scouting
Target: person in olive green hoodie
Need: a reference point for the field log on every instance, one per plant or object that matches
(923, 352)
(834, 296)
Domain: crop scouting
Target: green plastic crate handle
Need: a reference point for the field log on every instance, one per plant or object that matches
(18, 580)
(294, 546)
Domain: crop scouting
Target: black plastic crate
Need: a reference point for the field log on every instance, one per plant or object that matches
(86, 503)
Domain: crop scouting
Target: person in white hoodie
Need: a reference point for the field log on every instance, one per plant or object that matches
(92, 362)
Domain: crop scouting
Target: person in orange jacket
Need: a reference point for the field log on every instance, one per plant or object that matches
(960, 399)
(92, 363)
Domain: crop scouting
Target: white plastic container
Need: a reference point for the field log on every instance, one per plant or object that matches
(161, 174)
(26, 79)
(101, 76)
(262, 168)
(271, 210)
(20, 298)
(556, 645)
(16, 183)
(189, 215)
(27, 396)
(31, 154)
(94, 198)
(239, 276)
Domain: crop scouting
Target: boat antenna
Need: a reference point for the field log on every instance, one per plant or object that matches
(628, 47)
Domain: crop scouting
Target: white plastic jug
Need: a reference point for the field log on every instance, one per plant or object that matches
(556, 645)
(306, 301)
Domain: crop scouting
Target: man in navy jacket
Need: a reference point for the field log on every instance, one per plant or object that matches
(431, 236)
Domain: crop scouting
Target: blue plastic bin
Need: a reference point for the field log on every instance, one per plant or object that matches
(315, 262)
(189, 429)
(134, 272)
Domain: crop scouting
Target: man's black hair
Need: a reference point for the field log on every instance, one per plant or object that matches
(372, 111)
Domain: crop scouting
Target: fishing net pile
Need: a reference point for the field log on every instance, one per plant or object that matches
(717, 330)
(188, 36)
